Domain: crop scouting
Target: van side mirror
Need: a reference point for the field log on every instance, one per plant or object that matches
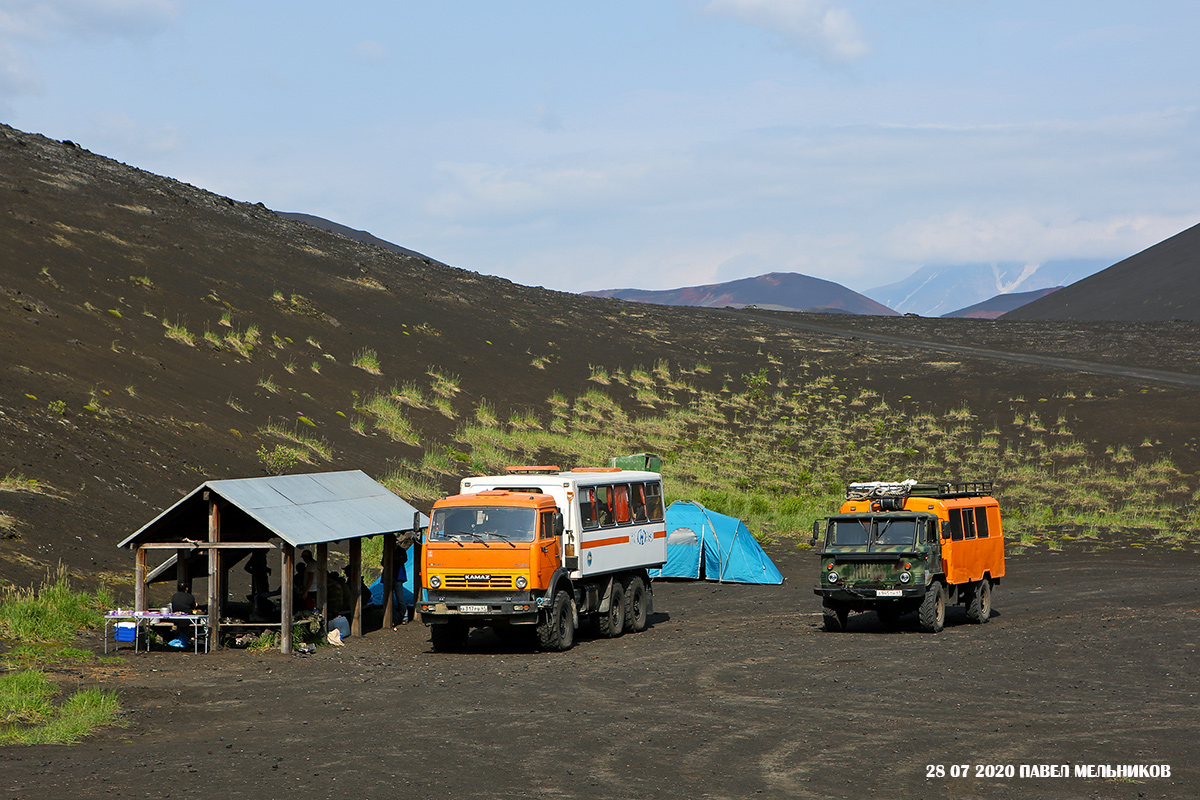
(816, 532)
(558, 523)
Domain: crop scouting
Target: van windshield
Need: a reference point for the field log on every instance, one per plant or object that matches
(873, 531)
(483, 524)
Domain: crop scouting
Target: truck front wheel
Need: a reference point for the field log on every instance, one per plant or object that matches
(448, 637)
(933, 609)
(556, 629)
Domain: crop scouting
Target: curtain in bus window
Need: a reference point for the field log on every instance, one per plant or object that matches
(968, 523)
(956, 530)
(981, 526)
(587, 508)
(637, 499)
(621, 504)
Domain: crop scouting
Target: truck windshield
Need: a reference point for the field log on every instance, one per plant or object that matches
(880, 531)
(483, 524)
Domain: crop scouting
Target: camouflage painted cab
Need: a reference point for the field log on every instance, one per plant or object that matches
(895, 548)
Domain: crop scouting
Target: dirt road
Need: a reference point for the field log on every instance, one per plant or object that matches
(1090, 659)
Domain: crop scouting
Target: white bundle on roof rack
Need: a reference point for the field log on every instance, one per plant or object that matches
(868, 489)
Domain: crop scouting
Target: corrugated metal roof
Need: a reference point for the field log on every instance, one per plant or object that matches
(300, 509)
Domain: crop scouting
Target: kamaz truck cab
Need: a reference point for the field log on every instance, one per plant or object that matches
(895, 548)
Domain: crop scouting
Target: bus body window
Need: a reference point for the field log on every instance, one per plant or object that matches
(654, 501)
(956, 528)
(981, 523)
(637, 500)
(621, 504)
(604, 506)
(968, 523)
(587, 509)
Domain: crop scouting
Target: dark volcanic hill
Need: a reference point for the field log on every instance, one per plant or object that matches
(1160, 283)
(1001, 304)
(353, 233)
(778, 291)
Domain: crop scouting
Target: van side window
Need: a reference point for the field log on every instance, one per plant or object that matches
(981, 524)
(968, 523)
(587, 508)
(620, 495)
(604, 505)
(654, 501)
(956, 527)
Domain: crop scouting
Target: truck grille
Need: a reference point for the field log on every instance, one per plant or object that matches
(451, 582)
(868, 572)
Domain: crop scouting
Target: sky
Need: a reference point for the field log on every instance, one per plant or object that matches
(650, 145)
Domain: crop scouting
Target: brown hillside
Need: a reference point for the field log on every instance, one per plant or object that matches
(115, 412)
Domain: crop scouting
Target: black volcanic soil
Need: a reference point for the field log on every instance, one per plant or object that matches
(733, 692)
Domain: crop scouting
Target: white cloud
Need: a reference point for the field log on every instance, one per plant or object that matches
(815, 27)
(1025, 235)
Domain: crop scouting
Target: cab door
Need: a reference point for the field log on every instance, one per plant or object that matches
(546, 551)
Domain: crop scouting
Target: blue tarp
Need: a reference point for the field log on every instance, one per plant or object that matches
(377, 587)
(703, 543)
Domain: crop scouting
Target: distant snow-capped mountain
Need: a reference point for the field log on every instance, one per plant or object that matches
(933, 291)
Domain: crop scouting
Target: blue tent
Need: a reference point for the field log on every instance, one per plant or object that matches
(407, 593)
(703, 543)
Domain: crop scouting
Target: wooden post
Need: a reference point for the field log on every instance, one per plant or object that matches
(323, 581)
(214, 571)
(416, 570)
(287, 566)
(139, 580)
(354, 578)
(388, 578)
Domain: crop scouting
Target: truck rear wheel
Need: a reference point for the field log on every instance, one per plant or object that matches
(979, 610)
(933, 609)
(637, 606)
(612, 622)
(836, 614)
(556, 629)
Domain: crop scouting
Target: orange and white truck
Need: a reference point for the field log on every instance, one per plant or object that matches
(539, 549)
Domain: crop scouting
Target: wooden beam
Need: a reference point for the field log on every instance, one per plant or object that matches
(323, 581)
(354, 579)
(287, 566)
(188, 546)
(139, 581)
(388, 577)
(215, 592)
(416, 571)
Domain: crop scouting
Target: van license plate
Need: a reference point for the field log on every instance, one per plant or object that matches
(889, 593)
(473, 609)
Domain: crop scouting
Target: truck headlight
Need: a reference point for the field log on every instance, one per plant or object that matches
(522, 582)
(434, 582)
(832, 577)
(905, 577)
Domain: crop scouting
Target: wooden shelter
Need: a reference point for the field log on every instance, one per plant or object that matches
(226, 520)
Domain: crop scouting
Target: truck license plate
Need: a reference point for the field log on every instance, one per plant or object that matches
(889, 593)
(473, 609)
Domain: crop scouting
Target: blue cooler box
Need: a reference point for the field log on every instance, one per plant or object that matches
(126, 631)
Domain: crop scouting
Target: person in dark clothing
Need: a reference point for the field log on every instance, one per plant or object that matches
(183, 602)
